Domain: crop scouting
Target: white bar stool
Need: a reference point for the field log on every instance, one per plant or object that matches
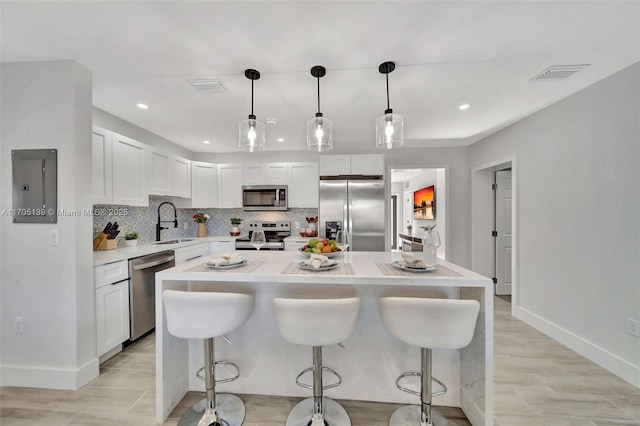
(205, 315)
(428, 324)
(317, 323)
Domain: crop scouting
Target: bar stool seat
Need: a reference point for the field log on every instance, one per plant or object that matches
(206, 315)
(317, 323)
(428, 324)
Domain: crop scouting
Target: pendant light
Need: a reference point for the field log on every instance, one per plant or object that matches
(389, 127)
(319, 128)
(252, 132)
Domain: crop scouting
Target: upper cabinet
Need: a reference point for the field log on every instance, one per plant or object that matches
(303, 185)
(360, 164)
(129, 181)
(180, 173)
(204, 185)
(101, 166)
(230, 178)
(158, 172)
(266, 174)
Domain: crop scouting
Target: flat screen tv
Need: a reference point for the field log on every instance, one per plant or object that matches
(424, 203)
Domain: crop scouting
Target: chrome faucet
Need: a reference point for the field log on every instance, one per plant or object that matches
(159, 227)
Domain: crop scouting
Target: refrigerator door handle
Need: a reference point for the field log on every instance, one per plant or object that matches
(350, 218)
(344, 215)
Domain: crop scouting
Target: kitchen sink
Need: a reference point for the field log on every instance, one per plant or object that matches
(179, 240)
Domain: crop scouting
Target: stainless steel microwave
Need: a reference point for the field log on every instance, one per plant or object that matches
(264, 197)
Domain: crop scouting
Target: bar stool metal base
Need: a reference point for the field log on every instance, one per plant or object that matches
(409, 415)
(230, 408)
(302, 413)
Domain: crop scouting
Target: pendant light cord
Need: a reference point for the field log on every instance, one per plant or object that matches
(318, 78)
(252, 95)
(387, 75)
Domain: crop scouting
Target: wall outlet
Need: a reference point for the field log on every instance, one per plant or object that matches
(296, 225)
(185, 225)
(18, 324)
(633, 327)
(53, 237)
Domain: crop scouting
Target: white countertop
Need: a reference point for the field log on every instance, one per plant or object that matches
(102, 257)
(364, 266)
(297, 239)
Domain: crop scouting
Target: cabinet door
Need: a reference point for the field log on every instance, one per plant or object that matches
(222, 246)
(367, 164)
(129, 187)
(159, 171)
(293, 245)
(254, 174)
(277, 174)
(112, 316)
(303, 185)
(204, 185)
(230, 185)
(101, 166)
(180, 177)
(335, 165)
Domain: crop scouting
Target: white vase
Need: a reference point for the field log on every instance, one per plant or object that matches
(235, 229)
(130, 243)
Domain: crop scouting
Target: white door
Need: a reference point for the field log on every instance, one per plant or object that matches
(503, 250)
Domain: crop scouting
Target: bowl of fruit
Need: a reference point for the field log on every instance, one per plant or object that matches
(320, 246)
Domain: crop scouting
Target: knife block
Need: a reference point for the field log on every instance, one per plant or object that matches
(102, 243)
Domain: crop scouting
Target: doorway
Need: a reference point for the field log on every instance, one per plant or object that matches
(494, 225)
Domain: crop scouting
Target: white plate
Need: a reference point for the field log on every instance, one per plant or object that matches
(233, 265)
(329, 255)
(401, 264)
(322, 267)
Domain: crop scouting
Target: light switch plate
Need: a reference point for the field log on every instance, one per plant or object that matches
(53, 237)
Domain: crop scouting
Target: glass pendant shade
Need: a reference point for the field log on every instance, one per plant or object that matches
(253, 135)
(319, 134)
(389, 131)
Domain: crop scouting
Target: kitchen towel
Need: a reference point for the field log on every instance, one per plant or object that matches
(343, 269)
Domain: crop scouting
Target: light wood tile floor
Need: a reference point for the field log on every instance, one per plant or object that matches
(537, 382)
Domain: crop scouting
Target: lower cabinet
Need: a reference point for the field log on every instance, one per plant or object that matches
(112, 315)
(295, 244)
(188, 253)
(222, 246)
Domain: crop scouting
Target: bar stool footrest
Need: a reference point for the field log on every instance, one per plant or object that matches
(411, 391)
(329, 386)
(200, 372)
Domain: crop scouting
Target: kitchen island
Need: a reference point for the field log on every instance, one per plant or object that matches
(371, 360)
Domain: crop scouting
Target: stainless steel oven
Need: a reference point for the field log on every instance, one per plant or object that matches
(274, 232)
(264, 197)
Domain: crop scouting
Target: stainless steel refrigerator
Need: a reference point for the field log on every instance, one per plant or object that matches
(357, 206)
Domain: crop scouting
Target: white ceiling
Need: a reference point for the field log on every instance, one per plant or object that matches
(447, 53)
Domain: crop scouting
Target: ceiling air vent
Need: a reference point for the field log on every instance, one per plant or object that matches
(207, 86)
(558, 72)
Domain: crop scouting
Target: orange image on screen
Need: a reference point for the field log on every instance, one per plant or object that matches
(423, 204)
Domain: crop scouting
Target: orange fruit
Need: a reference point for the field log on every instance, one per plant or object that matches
(326, 249)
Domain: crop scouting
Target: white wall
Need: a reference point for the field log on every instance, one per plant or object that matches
(578, 184)
(48, 105)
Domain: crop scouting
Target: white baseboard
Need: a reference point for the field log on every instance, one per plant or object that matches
(49, 378)
(616, 365)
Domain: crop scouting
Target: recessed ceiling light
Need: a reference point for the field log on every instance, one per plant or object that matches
(464, 106)
(143, 106)
(280, 140)
(206, 142)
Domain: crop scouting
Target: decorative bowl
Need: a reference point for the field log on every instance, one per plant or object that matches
(329, 255)
(234, 234)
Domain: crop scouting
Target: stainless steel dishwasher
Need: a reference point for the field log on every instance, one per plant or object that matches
(142, 290)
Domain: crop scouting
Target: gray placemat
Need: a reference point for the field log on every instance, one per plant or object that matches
(440, 271)
(250, 266)
(343, 269)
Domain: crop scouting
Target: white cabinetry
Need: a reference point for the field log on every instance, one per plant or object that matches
(192, 252)
(277, 173)
(159, 172)
(180, 173)
(303, 185)
(101, 166)
(112, 305)
(222, 246)
(356, 164)
(254, 174)
(230, 178)
(129, 187)
(295, 244)
(204, 185)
